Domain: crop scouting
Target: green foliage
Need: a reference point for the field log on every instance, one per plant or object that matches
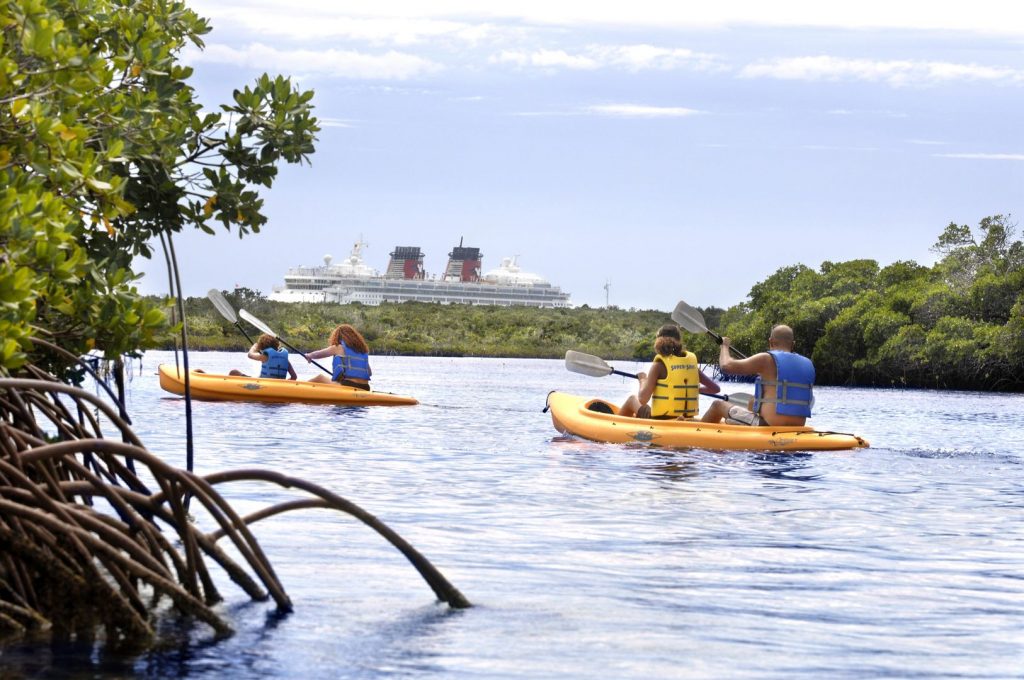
(423, 329)
(899, 325)
(103, 147)
(957, 324)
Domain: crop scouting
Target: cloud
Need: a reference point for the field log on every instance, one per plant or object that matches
(415, 19)
(543, 58)
(983, 156)
(334, 122)
(893, 72)
(391, 65)
(628, 57)
(827, 147)
(640, 57)
(620, 111)
(640, 111)
(312, 21)
(868, 112)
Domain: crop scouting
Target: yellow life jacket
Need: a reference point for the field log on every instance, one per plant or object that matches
(676, 394)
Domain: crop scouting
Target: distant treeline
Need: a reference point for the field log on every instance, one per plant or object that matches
(957, 324)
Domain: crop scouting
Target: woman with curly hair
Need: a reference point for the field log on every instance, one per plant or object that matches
(267, 350)
(351, 358)
(671, 384)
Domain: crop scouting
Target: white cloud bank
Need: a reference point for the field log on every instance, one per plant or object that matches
(640, 111)
(629, 57)
(390, 65)
(414, 19)
(621, 111)
(983, 156)
(893, 72)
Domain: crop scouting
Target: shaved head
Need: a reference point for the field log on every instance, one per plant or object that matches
(782, 335)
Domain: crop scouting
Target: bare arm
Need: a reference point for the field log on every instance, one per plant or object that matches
(749, 366)
(649, 381)
(256, 355)
(292, 375)
(707, 385)
(325, 352)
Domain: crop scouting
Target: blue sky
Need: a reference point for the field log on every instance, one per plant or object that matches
(674, 150)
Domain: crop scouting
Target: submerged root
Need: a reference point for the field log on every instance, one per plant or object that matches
(89, 546)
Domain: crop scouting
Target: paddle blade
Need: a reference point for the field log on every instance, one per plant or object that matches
(587, 364)
(256, 322)
(221, 304)
(689, 318)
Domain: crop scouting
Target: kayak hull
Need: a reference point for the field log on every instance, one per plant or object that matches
(573, 415)
(214, 387)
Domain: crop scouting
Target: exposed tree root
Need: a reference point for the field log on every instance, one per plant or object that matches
(95, 532)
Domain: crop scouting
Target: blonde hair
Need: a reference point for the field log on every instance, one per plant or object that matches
(351, 337)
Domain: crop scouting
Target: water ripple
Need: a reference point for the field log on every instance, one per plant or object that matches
(590, 560)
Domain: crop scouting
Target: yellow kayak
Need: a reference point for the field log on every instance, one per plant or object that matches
(213, 387)
(577, 415)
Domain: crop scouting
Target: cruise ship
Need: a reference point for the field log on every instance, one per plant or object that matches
(405, 279)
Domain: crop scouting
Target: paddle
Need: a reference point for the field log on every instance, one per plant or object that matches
(693, 321)
(596, 367)
(266, 329)
(221, 304)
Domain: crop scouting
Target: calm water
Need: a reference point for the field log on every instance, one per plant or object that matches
(591, 561)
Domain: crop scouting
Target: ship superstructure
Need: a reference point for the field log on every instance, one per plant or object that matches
(405, 279)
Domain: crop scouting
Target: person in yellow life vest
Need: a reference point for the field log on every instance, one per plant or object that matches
(672, 383)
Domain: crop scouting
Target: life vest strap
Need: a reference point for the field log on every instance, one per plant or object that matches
(785, 384)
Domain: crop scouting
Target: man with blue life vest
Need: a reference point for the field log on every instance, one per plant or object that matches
(783, 391)
(267, 350)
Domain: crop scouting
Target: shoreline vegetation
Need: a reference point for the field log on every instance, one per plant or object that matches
(958, 324)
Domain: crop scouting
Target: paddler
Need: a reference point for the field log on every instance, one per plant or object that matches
(351, 358)
(274, 359)
(671, 384)
(783, 391)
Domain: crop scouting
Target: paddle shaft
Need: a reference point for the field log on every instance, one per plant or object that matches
(239, 326)
(692, 320)
(718, 339)
(723, 397)
(248, 316)
(299, 352)
(221, 304)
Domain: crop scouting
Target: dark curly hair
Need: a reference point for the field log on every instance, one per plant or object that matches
(669, 342)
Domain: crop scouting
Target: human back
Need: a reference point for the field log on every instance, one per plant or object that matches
(676, 390)
(778, 401)
(783, 391)
(670, 387)
(351, 358)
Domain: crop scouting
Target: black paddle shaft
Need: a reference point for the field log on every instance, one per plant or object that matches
(299, 351)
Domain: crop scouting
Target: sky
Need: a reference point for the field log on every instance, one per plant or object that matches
(635, 153)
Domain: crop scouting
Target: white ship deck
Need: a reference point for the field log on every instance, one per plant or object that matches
(352, 281)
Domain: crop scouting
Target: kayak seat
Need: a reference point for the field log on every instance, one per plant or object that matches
(599, 407)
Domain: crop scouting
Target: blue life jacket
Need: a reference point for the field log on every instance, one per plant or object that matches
(276, 365)
(793, 385)
(353, 366)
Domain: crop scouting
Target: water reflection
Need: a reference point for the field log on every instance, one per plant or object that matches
(593, 560)
(670, 465)
(784, 466)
